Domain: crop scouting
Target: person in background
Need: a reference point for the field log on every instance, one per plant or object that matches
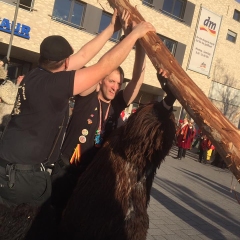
(178, 128)
(187, 144)
(181, 137)
(210, 153)
(197, 140)
(205, 145)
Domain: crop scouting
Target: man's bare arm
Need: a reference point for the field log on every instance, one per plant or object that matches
(87, 77)
(89, 50)
(89, 91)
(132, 89)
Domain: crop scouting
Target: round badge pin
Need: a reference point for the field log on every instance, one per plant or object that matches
(82, 139)
(84, 132)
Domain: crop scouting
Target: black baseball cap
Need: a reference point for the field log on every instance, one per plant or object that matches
(55, 48)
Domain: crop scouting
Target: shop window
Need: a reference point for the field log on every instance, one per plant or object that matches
(70, 12)
(236, 15)
(105, 21)
(169, 43)
(231, 36)
(148, 3)
(174, 8)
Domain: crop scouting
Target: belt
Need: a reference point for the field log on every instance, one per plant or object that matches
(11, 168)
(63, 161)
(23, 167)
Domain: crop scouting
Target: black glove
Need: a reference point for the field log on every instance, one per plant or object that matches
(170, 98)
(5, 60)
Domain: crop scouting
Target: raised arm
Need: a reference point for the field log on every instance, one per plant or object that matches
(87, 77)
(132, 89)
(90, 49)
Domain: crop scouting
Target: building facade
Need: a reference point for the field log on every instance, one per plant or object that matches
(178, 24)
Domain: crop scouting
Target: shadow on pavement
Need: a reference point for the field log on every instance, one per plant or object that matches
(212, 185)
(209, 210)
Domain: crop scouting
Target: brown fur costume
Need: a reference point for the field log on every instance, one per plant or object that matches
(111, 198)
(16, 221)
(27, 222)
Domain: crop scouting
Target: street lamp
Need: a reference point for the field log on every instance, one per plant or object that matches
(12, 32)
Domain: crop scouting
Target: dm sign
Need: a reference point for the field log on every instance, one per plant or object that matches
(204, 42)
(20, 30)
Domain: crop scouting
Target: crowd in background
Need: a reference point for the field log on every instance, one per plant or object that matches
(189, 136)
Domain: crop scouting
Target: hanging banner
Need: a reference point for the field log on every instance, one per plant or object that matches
(204, 42)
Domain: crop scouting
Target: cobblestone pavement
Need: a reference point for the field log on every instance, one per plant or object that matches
(192, 200)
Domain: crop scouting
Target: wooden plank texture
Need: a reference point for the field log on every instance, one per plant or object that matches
(223, 134)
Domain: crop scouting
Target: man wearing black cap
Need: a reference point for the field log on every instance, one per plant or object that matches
(33, 136)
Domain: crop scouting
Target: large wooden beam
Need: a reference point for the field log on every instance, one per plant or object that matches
(224, 135)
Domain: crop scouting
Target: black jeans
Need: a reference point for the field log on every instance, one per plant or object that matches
(180, 152)
(32, 185)
(203, 155)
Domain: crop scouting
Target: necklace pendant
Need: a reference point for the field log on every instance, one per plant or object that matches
(98, 140)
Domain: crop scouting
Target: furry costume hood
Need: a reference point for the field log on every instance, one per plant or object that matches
(8, 92)
(3, 73)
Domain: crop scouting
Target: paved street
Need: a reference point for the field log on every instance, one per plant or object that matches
(192, 200)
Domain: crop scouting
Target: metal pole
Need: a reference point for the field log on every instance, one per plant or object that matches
(12, 31)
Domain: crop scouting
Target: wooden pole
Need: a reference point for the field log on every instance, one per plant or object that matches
(223, 134)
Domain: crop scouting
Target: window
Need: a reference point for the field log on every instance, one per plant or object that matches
(169, 43)
(70, 12)
(174, 8)
(26, 4)
(105, 21)
(231, 36)
(148, 3)
(236, 15)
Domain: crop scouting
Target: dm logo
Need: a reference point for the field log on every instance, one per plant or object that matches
(209, 26)
(203, 65)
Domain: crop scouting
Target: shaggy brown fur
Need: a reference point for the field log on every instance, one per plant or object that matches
(111, 197)
(27, 222)
(16, 221)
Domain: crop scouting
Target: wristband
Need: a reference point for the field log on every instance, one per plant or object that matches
(169, 99)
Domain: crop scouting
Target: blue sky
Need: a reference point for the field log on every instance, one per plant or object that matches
(238, 1)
